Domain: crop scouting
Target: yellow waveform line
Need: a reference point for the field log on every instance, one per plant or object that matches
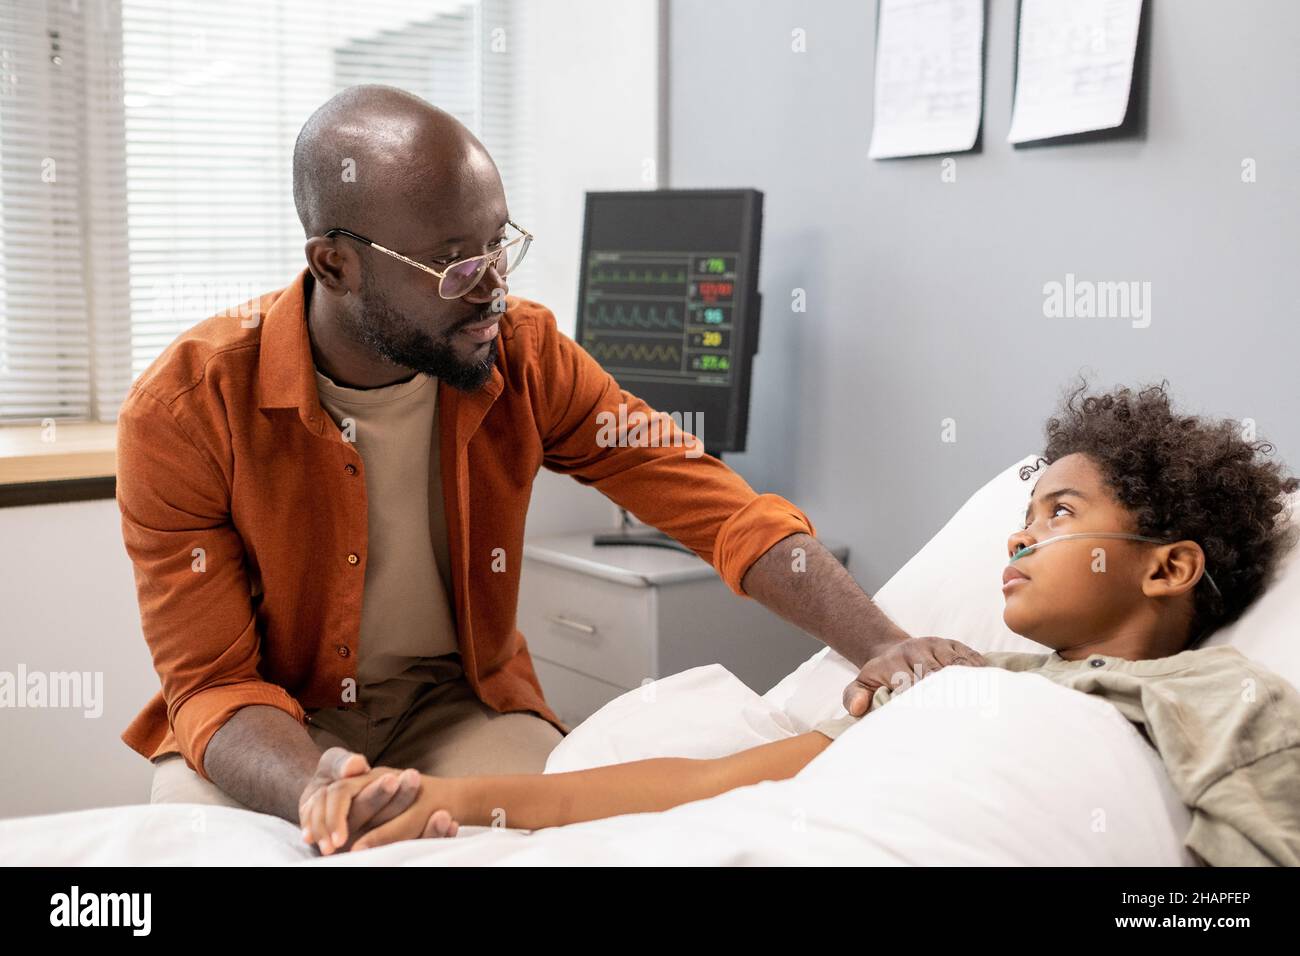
(623, 350)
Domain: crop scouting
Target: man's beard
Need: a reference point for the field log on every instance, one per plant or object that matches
(389, 333)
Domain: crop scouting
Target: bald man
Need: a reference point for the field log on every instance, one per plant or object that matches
(323, 492)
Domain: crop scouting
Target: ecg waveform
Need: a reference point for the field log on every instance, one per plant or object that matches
(661, 315)
(638, 354)
(637, 275)
(652, 317)
(648, 275)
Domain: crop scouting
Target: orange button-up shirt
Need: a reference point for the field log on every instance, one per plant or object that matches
(244, 512)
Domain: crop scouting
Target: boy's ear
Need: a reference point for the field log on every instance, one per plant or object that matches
(1176, 569)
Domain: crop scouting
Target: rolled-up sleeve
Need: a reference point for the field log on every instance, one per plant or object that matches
(195, 602)
(750, 533)
(692, 497)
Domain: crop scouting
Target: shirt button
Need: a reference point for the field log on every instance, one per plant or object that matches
(1097, 662)
(349, 469)
(353, 559)
(343, 650)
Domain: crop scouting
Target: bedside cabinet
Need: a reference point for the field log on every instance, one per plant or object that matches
(600, 621)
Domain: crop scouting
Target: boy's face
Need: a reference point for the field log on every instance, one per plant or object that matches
(1066, 594)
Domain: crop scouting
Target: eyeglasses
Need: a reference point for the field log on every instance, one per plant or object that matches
(461, 276)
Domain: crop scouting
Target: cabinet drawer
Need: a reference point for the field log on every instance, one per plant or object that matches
(592, 626)
(573, 696)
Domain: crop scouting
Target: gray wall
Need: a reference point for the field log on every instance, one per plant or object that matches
(925, 298)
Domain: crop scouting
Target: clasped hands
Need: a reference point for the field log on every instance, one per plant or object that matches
(348, 805)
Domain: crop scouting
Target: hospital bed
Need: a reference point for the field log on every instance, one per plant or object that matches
(973, 766)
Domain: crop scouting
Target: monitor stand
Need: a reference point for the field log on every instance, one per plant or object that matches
(643, 537)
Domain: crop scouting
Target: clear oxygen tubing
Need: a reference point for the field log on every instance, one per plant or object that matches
(1122, 535)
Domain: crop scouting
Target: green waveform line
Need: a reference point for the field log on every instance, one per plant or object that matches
(645, 277)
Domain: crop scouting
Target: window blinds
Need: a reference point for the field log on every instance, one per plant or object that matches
(179, 136)
(61, 200)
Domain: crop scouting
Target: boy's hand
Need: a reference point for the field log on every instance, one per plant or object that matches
(345, 805)
(904, 663)
(428, 816)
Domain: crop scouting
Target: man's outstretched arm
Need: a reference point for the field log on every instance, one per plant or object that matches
(821, 597)
(696, 499)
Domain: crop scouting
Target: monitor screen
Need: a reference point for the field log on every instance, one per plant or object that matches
(668, 301)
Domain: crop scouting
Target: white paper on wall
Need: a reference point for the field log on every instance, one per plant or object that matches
(1074, 66)
(929, 77)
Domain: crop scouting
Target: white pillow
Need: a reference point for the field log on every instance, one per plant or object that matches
(950, 589)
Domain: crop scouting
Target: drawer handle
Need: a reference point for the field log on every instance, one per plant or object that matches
(569, 622)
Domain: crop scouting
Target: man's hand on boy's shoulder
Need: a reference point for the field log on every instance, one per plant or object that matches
(903, 664)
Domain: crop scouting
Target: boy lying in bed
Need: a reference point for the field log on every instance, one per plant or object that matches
(1146, 531)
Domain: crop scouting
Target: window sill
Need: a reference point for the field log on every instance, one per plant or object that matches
(78, 463)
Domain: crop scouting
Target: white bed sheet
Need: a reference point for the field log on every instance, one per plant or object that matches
(968, 772)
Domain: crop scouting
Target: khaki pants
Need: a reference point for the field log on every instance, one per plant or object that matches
(447, 732)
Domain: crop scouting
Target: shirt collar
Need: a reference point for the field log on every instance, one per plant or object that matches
(1145, 668)
(286, 376)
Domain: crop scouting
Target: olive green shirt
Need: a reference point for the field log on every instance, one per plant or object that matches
(1226, 729)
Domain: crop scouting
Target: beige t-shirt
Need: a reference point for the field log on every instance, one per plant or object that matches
(1226, 729)
(406, 618)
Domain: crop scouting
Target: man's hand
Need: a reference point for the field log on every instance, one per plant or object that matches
(345, 797)
(911, 660)
(428, 816)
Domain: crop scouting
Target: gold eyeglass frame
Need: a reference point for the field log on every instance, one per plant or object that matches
(490, 258)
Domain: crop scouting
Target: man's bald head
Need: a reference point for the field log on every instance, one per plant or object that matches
(380, 162)
(371, 151)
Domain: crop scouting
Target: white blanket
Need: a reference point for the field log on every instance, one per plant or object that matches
(965, 768)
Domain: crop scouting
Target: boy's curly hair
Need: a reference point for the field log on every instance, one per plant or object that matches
(1184, 478)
